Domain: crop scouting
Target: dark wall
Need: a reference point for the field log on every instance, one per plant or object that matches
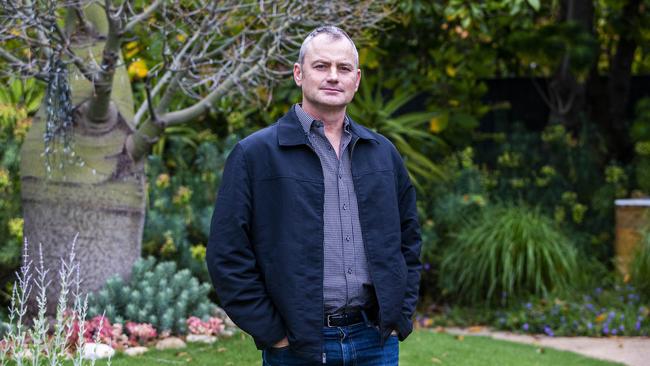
(526, 106)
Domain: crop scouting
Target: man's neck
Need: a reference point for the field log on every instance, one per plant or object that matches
(332, 118)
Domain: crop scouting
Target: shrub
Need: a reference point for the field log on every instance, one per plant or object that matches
(157, 294)
(33, 338)
(640, 267)
(507, 252)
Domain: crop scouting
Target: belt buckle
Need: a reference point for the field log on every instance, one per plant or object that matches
(328, 320)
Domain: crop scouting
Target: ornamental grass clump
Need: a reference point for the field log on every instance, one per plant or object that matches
(157, 294)
(505, 253)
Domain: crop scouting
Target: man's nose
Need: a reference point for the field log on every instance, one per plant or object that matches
(333, 74)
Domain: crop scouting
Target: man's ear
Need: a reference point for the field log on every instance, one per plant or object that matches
(297, 74)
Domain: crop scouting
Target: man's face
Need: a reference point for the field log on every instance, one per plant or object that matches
(328, 76)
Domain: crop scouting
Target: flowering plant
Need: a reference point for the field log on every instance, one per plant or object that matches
(213, 326)
(612, 312)
(140, 333)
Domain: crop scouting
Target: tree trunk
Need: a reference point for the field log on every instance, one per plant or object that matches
(564, 87)
(101, 197)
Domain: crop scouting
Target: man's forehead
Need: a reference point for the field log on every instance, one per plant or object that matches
(324, 47)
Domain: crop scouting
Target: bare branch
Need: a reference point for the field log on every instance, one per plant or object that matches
(140, 17)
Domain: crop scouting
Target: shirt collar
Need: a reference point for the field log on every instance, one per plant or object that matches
(307, 120)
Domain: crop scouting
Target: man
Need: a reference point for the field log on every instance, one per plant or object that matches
(314, 245)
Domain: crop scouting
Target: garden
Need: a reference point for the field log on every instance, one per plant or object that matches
(524, 126)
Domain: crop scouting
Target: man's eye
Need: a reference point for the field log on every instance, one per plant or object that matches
(319, 67)
(346, 69)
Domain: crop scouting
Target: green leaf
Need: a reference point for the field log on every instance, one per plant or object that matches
(534, 4)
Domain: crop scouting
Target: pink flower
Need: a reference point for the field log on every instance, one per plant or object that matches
(140, 333)
(213, 326)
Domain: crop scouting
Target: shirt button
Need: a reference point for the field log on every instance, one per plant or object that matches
(340, 176)
(347, 238)
(349, 270)
(345, 206)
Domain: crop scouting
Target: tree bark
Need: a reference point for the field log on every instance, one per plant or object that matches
(100, 197)
(566, 92)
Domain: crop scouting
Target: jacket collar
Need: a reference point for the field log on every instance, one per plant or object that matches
(291, 132)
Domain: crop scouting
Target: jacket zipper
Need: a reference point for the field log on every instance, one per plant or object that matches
(365, 248)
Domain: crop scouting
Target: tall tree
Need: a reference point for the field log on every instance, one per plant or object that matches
(82, 161)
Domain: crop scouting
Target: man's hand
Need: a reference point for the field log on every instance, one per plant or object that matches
(283, 343)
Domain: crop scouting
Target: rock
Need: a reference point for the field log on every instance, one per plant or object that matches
(170, 343)
(229, 323)
(135, 351)
(96, 351)
(227, 333)
(201, 338)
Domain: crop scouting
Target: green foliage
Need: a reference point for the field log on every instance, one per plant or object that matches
(409, 132)
(564, 176)
(183, 182)
(18, 102)
(640, 267)
(506, 253)
(640, 133)
(157, 294)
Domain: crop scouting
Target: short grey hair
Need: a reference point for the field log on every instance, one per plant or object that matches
(333, 32)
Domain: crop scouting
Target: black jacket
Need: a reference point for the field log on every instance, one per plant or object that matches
(265, 251)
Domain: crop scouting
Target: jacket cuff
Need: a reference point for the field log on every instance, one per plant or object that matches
(270, 337)
(404, 327)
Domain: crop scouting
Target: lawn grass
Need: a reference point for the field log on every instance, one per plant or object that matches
(423, 347)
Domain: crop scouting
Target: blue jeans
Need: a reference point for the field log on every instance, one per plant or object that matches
(354, 345)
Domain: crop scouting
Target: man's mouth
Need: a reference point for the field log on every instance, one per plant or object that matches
(332, 90)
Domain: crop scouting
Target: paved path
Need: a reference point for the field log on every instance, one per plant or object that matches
(633, 351)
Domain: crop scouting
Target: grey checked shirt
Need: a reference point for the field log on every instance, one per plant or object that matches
(346, 281)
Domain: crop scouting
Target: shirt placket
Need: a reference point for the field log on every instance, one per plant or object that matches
(347, 233)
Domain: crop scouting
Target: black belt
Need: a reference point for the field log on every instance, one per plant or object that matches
(348, 318)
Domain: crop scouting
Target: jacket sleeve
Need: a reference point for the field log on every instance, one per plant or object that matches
(411, 244)
(231, 260)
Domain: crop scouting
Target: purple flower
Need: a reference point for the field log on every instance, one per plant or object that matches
(589, 326)
(427, 266)
(637, 326)
(621, 328)
(529, 306)
(614, 331)
(589, 306)
(606, 329)
(599, 291)
(525, 327)
(548, 331)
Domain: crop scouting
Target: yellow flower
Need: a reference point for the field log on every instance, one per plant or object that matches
(21, 128)
(16, 228)
(132, 49)
(168, 246)
(198, 252)
(451, 71)
(162, 181)
(435, 125)
(138, 69)
(182, 196)
(181, 38)
(600, 318)
(4, 178)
